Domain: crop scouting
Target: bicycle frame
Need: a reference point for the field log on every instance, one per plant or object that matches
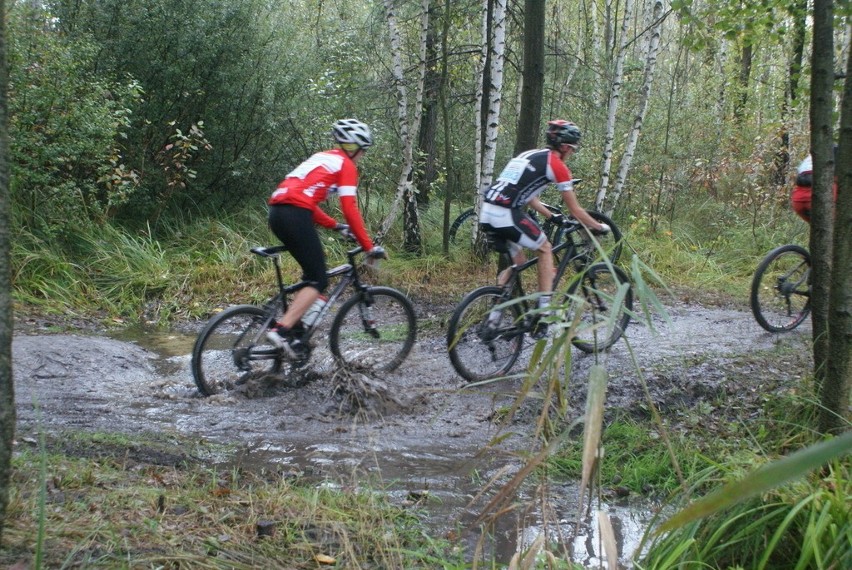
(348, 271)
(513, 289)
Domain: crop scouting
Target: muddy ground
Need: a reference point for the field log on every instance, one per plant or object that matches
(427, 435)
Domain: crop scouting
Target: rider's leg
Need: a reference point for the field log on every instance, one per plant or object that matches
(300, 304)
(518, 257)
(545, 274)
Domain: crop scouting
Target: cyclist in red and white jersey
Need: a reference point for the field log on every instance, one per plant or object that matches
(504, 209)
(294, 209)
(800, 198)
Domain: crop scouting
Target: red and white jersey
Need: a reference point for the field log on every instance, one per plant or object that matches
(310, 183)
(526, 176)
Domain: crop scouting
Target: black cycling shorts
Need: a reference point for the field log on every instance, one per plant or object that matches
(295, 228)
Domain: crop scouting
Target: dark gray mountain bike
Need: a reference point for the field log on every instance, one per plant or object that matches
(781, 288)
(486, 332)
(373, 330)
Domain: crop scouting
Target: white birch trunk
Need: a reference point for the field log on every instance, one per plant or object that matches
(612, 107)
(407, 130)
(480, 74)
(651, 48)
(492, 122)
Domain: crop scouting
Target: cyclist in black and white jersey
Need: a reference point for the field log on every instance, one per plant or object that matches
(504, 209)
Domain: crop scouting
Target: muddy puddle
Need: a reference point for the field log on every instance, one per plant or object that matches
(424, 449)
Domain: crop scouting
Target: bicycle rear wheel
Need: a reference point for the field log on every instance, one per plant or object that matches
(604, 315)
(780, 289)
(232, 349)
(374, 330)
(458, 222)
(479, 352)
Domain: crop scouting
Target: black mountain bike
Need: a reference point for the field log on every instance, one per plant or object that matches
(611, 243)
(374, 330)
(781, 289)
(486, 332)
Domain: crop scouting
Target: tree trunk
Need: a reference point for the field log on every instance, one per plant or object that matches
(822, 109)
(651, 49)
(483, 84)
(7, 391)
(612, 107)
(529, 118)
(492, 121)
(412, 240)
(746, 58)
(445, 115)
(426, 141)
(834, 412)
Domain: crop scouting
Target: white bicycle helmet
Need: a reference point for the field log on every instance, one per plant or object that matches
(352, 131)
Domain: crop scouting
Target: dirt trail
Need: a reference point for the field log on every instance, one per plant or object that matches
(139, 381)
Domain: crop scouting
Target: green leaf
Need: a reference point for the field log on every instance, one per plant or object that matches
(763, 479)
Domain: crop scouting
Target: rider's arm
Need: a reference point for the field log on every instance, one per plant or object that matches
(536, 205)
(577, 210)
(349, 205)
(321, 218)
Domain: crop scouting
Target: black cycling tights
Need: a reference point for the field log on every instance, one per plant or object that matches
(294, 226)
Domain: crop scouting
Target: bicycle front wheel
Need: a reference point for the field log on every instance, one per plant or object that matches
(604, 308)
(232, 349)
(481, 348)
(780, 289)
(374, 330)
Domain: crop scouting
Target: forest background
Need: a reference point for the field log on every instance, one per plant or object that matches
(145, 136)
(164, 126)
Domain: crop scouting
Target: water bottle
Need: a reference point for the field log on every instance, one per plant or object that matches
(314, 311)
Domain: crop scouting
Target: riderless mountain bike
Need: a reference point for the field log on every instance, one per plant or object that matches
(781, 289)
(611, 243)
(373, 330)
(486, 332)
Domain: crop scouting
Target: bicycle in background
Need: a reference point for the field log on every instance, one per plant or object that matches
(486, 332)
(374, 330)
(781, 289)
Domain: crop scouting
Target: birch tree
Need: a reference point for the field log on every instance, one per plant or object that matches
(612, 106)
(407, 128)
(492, 118)
(650, 51)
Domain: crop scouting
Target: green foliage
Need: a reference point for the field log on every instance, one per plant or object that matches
(805, 524)
(65, 129)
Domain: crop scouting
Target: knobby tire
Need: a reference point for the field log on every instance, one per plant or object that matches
(477, 353)
(780, 290)
(381, 345)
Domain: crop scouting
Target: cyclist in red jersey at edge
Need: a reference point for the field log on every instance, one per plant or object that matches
(294, 209)
(800, 198)
(504, 209)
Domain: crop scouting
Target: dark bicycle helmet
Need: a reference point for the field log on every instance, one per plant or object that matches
(352, 131)
(562, 132)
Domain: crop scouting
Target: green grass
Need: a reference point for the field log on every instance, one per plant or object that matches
(188, 268)
(145, 501)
